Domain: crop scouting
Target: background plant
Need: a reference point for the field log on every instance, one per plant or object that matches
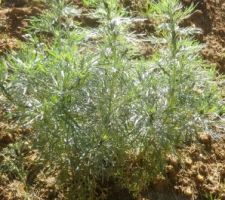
(101, 113)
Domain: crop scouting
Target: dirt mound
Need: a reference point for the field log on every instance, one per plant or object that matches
(210, 17)
(203, 171)
(197, 173)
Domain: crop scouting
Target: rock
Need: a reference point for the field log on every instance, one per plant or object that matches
(188, 162)
(205, 138)
(50, 181)
(188, 192)
(172, 160)
(200, 178)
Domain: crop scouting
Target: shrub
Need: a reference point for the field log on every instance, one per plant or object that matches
(102, 113)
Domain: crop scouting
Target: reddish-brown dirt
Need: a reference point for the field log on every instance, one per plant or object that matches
(201, 170)
(210, 17)
(13, 21)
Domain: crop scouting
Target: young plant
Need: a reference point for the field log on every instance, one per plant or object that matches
(101, 114)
